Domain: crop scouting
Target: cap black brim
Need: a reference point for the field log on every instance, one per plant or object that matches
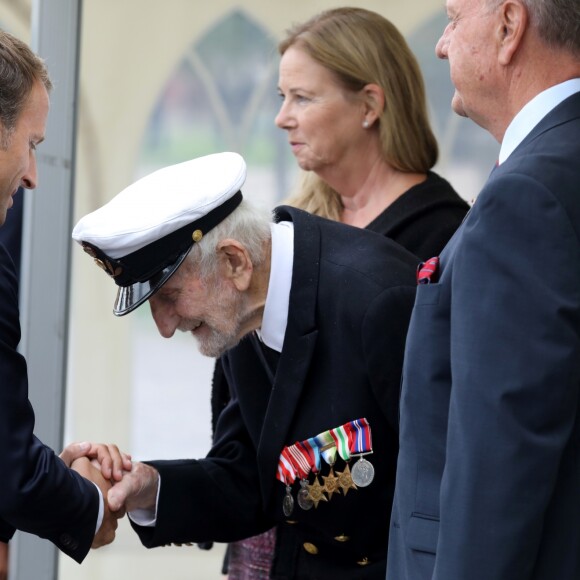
(131, 297)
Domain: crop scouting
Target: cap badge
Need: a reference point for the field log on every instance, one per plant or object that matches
(108, 268)
(197, 235)
(103, 264)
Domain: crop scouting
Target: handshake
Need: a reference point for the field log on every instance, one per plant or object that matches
(125, 486)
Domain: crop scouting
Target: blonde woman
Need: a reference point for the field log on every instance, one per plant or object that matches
(354, 108)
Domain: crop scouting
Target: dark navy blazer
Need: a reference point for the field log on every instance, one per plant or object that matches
(350, 301)
(488, 482)
(38, 494)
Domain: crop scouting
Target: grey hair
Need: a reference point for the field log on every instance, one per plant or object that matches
(247, 224)
(557, 21)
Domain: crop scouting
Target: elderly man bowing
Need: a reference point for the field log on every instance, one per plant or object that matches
(312, 317)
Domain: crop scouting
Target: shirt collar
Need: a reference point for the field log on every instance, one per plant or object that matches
(275, 318)
(532, 113)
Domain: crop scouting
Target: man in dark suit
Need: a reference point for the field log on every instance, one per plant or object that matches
(38, 492)
(489, 465)
(10, 237)
(312, 317)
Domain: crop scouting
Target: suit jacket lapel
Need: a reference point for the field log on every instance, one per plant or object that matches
(299, 343)
(566, 111)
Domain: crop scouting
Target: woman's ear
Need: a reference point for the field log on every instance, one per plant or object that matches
(374, 103)
(236, 263)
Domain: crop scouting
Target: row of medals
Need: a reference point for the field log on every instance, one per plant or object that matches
(311, 494)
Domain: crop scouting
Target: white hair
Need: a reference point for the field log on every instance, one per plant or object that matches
(248, 224)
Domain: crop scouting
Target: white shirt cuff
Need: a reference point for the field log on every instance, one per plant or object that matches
(146, 518)
(101, 508)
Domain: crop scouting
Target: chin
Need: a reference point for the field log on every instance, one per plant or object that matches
(209, 350)
(457, 106)
(304, 165)
(216, 345)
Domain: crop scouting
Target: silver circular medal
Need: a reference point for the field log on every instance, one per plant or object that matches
(363, 472)
(288, 503)
(304, 500)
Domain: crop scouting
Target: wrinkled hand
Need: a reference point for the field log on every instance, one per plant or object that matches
(107, 457)
(137, 489)
(3, 561)
(106, 533)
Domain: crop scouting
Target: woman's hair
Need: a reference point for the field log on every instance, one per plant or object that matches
(20, 68)
(361, 47)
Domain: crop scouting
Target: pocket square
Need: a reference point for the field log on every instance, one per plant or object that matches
(428, 272)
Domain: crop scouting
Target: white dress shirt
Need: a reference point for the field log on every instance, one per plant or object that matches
(532, 113)
(275, 318)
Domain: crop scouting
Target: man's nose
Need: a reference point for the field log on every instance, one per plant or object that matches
(30, 178)
(441, 46)
(165, 318)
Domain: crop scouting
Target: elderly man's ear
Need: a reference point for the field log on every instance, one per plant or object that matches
(236, 263)
(512, 24)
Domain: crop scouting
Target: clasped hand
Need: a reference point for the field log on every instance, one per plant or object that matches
(104, 465)
(125, 486)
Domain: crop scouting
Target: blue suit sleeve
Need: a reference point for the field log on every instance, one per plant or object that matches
(38, 493)
(515, 352)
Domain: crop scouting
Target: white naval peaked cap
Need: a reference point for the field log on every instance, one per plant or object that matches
(145, 232)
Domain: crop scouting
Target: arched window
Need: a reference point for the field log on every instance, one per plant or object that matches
(222, 97)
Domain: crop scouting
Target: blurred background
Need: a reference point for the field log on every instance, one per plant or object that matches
(159, 83)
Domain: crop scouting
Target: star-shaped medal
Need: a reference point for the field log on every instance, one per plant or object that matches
(330, 483)
(316, 492)
(345, 480)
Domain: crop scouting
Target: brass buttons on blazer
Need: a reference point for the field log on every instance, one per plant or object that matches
(363, 561)
(310, 548)
(342, 538)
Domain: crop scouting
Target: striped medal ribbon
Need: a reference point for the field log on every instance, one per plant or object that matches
(302, 460)
(363, 471)
(315, 490)
(341, 436)
(287, 475)
(327, 447)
